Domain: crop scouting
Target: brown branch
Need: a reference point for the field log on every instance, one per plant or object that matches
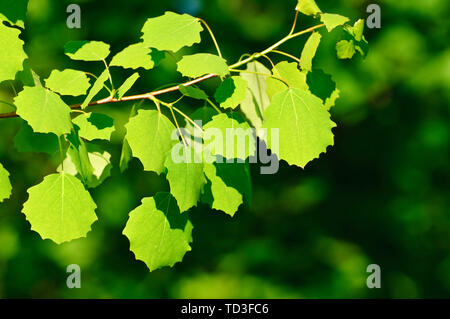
(131, 97)
(176, 87)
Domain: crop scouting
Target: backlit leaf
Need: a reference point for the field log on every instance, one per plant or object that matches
(137, 56)
(68, 82)
(303, 123)
(11, 52)
(127, 85)
(309, 51)
(289, 73)
(94, 126)
(199, 64)
(149, 136)
(5, 184)
(87, 50)
(60, 208)
(256, 99)
(332, 20)
(230, 136)
(308, 7)
(44, 110)
(185, 176)
(159, 234)
(171, 31)
(97, 87)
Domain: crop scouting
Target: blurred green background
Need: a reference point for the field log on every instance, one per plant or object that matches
(380, 195)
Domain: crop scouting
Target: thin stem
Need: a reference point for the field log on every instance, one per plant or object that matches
(212, 36)
(286, 54)
(187, 118)
(268, 59)
(78, 111)
(258, 73)
(214, 106)
(156, 101)
(276, 45)
(294, 23)
(13, 88)
(61, 153)
(176, 123)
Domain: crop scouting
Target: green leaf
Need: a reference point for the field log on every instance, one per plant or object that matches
(357, 30)
(126, 153)
(199, 64)
(231, 92)
(331, 101)
(5, 184)
(320, 84)
(44, 110)
(79, 158)
(127, 85)
(28, 141)
(332, 20)
(27, 76)
(256, 100)
(99, 163)
(193, 92)
(228, 184)
(94, 126)
(11, 52)
(309, 51)
(125, 156)
(230, 136)
(345, 49)
(137, 56)
(353, 41)
(68, 82)
(97, 87)
(290, 73)
(171, 31)
(13, 11)
(185, 176)
(303, 123)
(149, 136)
(87, 50)
(159, 235)
(308, 7)
(60, 208)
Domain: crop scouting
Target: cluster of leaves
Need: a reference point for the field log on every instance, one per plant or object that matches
(292, 97)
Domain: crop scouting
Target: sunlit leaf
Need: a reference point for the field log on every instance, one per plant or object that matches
(199, 64)
(59, 208)
(171, 31)
(159, 234)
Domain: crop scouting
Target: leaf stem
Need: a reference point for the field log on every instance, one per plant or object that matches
(212, 36)
(263, 74)
(61, 153)
(213, 105)
(286, 54)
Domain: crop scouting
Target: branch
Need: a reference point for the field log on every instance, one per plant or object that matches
(131, 97)
(195, 81)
